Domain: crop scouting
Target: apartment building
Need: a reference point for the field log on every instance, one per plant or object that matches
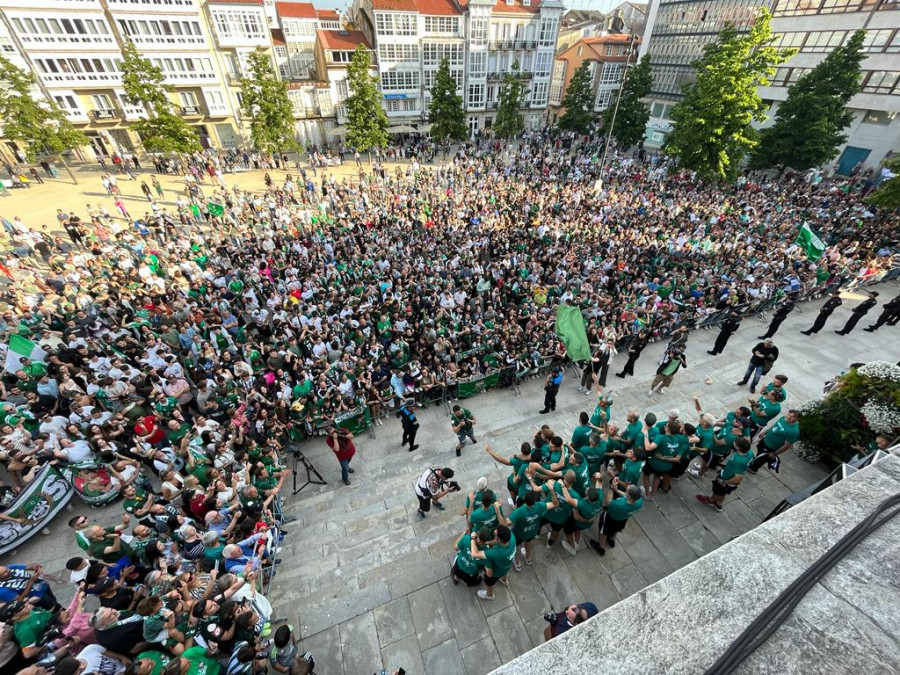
(481, 39)
(295, 37)
(677, 32)
(334, 51)
(607, 56)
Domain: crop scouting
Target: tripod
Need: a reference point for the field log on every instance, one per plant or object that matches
(310, 472)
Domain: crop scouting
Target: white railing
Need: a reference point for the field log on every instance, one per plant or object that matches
(187, 77)
(59, 40)
(167, 40)
(156, 5)
(81, 79)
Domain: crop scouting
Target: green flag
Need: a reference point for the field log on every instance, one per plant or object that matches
(570, 329)
(809, 241)
(215, 209)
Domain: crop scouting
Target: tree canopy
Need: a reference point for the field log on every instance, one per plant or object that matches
(887, 194)
(810, 124)
(510, 120)
(446, 113)
(630, 124)
(712, 126)
(366, 120)
(266, 104)
(579, 101)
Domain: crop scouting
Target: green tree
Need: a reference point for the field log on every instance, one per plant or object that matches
(713, 131)
(37, 123)
(809, 125)
(630, 125)
(162, 130)
(446, 113)
(366, 120)
(509, 120)
(578, 101)
(266, 104)
(887, 194)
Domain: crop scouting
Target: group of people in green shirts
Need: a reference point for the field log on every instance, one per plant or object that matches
(604, 475)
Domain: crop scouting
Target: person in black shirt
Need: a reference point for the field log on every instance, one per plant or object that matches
(780, 315)
(410, 424)
(830, 305)
(634, 352)
(889, 314)
(729, 326)
(763, 353)
(858, 313)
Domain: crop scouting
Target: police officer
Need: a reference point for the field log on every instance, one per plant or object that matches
(858, 313)
(729, 326)
(778, 318)
(551, 389)
(410, 424)
(830, 305)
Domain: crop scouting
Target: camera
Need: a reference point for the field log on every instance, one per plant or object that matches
(454, 486)
(551, 618)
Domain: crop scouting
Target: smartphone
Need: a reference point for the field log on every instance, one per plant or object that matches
(400, 671)
(217, 566)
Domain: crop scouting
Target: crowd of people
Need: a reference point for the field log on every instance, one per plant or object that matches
(194, 343)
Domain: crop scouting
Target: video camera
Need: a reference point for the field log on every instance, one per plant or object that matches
(453, 486)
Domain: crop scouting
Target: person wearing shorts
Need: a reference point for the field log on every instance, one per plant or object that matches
(462, 421)
(526, 521)
(584, 513)
(556, 518)
(465, 567)
(431, 487)
(615, 517)
(730, 475)
(663, 455)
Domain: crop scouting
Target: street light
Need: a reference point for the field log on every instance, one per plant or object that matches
(612, 122)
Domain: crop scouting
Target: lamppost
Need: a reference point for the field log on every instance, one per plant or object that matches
(612, 122)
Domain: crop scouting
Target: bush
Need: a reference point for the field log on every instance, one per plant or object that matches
(864, 402)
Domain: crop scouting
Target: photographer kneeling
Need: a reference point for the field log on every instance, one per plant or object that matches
(433, 484)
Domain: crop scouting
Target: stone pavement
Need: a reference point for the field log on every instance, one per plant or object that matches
(367, 583)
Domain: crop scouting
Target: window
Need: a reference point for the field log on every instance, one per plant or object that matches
(612, 73)
(343, 89)
(394, 80)
(880, 82)
(539, 94)
(102, 102)
(542, 64)
(66, 102)
(548, 32)
(604, 97)
(435, 52)
(478, 31)
(609, 50)
(398, 52)
(341, 57)
(477, 64)
(879, 117)
(475, 99)
(875, 40)
(188, 99)
(580, 50)
(401, 105)
(442, 24)
(824, 41)
(280, 51)
(395, 24)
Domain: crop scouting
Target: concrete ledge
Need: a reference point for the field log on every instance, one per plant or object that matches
(849, 622)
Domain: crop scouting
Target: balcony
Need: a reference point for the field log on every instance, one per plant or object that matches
(81, 79)
(105, 114)
(497, 76)
(168, 41)
(38, 40)
(310, 113)
(191, 111)
(233, 79)
(154, 5)
(492, 105)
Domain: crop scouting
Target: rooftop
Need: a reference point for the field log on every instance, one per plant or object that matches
(278, 37)
(426, 7)
(342, 39)
(517, 7)
(295, 10)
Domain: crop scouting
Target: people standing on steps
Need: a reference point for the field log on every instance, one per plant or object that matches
(672, 361)
(827, 309)
(621, 505)
(340, 441)
(858, 312)
(498, 556)
(551, 389)
(600, 365)
(729, 326)
(778, 318)
(730, 475)
(462, 422)
(432, 485)
(410, 423)
(890, 314)
(634, 352)
(775, 441)
(764, 354)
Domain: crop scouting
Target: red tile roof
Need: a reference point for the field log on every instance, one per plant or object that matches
(342, 39)
(395, 5)
(500, 7)
(328, 14)
(278, 37)
(295, 10)
(428, 7)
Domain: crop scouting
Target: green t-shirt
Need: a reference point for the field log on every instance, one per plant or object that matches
(98, 547)
(160, 661)
(589, 510)
(516, 463)
(561, 513)
(620, 509)
(668, 446)
(736, 465)
(768, 410)
(499, 558)
(464, 416)
(631, 471)
(201, 664)
(30, 631)
(464, 559)
(137, 502)
(781, 433)
(706, 437)
(526, 520)
(580, 436)
(582, 476)
(483, 517)
(600, 415)
(633, 435)
(594, 456)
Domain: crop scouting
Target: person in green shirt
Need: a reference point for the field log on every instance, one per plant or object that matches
(462, 421)
(151, 663)
(202, 660)
(595, 451)
(763, 411)
(466, 567)
(498, 559)
(556, 518)
(584, 511)
(524, 458)
(526, 522)
(488, 514)
(28, 625)
(622, 505)
(730, 475)
(630, 473)
(582, 433)
(775, 441)
(663, 454)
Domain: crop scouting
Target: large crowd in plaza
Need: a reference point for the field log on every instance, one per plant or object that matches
(188, 348)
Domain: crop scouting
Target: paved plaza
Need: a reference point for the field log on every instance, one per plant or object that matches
(367, 583)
